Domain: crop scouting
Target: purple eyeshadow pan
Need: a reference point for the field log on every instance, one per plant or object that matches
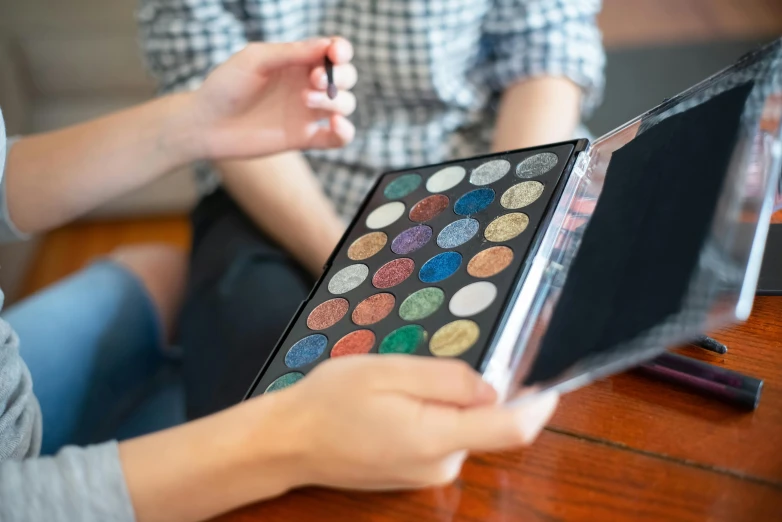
(411, 239)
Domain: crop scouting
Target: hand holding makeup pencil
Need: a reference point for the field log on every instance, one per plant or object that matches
(270, 98)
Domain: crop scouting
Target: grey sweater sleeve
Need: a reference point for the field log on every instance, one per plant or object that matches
(84, 484)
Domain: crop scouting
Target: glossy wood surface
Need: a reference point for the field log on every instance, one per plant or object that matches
(627, 448)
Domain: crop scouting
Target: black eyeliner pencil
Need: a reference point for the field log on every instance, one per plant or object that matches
(331, 88)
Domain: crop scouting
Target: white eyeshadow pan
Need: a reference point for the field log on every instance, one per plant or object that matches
(473, 299)
(445, 179)
(385, 215)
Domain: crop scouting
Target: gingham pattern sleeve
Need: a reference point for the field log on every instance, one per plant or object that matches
(183, 40)
(528, 38)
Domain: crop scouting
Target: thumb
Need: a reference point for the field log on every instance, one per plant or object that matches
(266, 57)
(448, 381)
(501, 427)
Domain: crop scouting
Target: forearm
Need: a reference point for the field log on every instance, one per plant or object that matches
(55, 177)
(537, 111)
(284, 200)
(213, 465)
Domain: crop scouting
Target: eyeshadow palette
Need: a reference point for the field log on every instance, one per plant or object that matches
(551, 267)
(429, 264)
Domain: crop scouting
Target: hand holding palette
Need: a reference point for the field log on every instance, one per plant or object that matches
(552, 266)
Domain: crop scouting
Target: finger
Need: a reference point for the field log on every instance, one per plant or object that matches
(345, 77)
(500, 427)
(448, 381)
(344, 103)
(340, 51)
(339, 133)
(265, 57)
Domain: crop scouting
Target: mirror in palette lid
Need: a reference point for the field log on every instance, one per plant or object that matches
(658, 236)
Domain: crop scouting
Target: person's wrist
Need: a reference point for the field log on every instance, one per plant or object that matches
(182, 137)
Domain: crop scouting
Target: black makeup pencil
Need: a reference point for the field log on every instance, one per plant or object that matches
(331, 89)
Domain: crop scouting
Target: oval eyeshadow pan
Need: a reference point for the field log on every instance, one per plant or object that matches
(440, 267)
(458, 233)
(367, 246)
(289, 379)
(522, 195)
(445, 179)
(393, 273)
(421, 304)
(429, 208)
(348, 278)
(506, 227)
(306, 351)
(474, 201)
(490, 172)
(473, 299)
(402, 186)
(454, 338)
(385, 215)
(411, 240)
(373, 309)
(354, 343)
(537, 165)
(490, 262)
(327, 314)
(403, 340)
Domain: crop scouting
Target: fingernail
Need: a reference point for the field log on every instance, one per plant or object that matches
(324, 81)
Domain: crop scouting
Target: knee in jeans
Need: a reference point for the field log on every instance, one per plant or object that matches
(161, 269)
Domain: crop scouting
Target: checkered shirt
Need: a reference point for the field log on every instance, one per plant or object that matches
(431, 71)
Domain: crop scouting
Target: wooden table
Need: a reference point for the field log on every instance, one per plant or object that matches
(627, 448)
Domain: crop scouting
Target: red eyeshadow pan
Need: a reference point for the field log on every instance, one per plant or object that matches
(429, 208)
(393, 273)
(354, 343)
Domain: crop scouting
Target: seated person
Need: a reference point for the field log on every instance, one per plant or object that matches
(98, 332)
(440, 79)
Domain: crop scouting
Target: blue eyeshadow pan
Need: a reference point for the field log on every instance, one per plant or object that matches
(474, 201)
(306, 351)
(440, 267)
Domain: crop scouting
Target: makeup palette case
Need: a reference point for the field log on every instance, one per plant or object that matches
(554, 266)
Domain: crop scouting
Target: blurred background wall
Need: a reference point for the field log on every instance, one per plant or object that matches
(63, 61)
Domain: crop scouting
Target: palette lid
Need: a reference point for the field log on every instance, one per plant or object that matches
(659, 235)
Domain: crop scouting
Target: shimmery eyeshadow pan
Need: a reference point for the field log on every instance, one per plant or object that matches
(421, 304)
(506, 227)
(537, 165)
(306, 351)
(373, 309)
(354, 343)
(411, 240)
(440, 267)
(427, 267)
(367, 246)
(348, 279)
(393, 273)
(458, 233)
(429, 208)
(522, 195)
(404, 340)
(490, 262)
(454, 338)
(289, 379)
(327, 314)
(474, 201)
(402, 186)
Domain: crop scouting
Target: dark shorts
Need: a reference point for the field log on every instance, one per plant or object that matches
(242, 291)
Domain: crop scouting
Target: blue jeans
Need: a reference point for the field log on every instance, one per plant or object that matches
(94, 346)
